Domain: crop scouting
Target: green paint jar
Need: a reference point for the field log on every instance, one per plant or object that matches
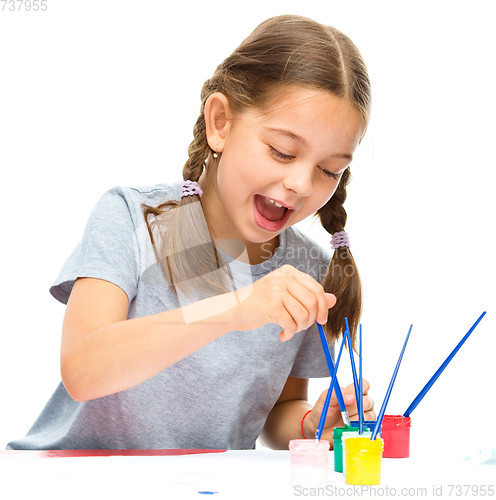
(338, 445)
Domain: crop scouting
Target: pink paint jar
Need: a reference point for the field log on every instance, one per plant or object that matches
(309, 462)
(395, 432)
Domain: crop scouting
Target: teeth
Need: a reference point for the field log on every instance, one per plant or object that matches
(274, 202)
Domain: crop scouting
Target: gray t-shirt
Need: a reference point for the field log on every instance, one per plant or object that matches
(218, 397)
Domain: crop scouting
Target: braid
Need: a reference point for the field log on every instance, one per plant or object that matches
(198, 150)
(333, 216)
(342, 278)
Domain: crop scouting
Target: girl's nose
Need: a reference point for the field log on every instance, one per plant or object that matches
(299, 179)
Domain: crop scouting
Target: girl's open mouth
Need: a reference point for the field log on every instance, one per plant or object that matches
(268, 215)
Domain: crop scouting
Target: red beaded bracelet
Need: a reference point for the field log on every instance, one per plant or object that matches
(302, 433)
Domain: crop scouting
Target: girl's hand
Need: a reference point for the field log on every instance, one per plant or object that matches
(334, 418)
(286, 296)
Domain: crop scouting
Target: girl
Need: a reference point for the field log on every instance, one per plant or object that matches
(191, 323)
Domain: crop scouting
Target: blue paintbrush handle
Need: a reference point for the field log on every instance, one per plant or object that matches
(440, 370)
(360, 387)
(378, 424)
(325, 409)
(352, 359)
(330, 365)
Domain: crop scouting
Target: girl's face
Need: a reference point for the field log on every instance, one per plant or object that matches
(293, 153)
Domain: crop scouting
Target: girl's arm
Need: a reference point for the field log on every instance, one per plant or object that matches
(284, 420)
(103, 352)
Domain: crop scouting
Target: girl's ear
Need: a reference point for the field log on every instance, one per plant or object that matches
(217, 120)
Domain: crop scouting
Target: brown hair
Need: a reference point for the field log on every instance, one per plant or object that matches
(281, 51)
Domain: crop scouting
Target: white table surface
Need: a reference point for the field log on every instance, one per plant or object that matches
(257, 474)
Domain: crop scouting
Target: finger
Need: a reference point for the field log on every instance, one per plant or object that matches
(368, 403)
(285, 317)
(365, 386)
(350, 400)
(330, 299)
(302, 314)
(353, 410)
(353, 413)
(368, 407)
(308, 300)
(349, 390)
(323, 298)
(369, 415)
(319, 405)
(334, 417)
(348, 397)
(284, 336)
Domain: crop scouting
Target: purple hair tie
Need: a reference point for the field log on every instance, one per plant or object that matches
(340, 239)
(189, 188)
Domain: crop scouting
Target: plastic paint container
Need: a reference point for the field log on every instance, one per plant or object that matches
(354, 433)
(362, 458)
(338, 441)
(395, 432)
(338, 445)
(369, 424)
(309, 462)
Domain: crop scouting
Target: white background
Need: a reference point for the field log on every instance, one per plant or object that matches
(101, 93)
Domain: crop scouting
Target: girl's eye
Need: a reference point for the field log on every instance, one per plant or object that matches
(331, 174)
(278, 154)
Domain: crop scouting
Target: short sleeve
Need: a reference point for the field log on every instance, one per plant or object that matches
(108, 249)
(310, 361)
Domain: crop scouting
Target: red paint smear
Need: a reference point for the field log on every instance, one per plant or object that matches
(105, 453)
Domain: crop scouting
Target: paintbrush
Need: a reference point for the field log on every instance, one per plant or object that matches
(440, 370)
(325, 409)
(378, 424)
(330, 365)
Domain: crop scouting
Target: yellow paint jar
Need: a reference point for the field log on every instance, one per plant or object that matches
(362, 460)
(345, 435)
